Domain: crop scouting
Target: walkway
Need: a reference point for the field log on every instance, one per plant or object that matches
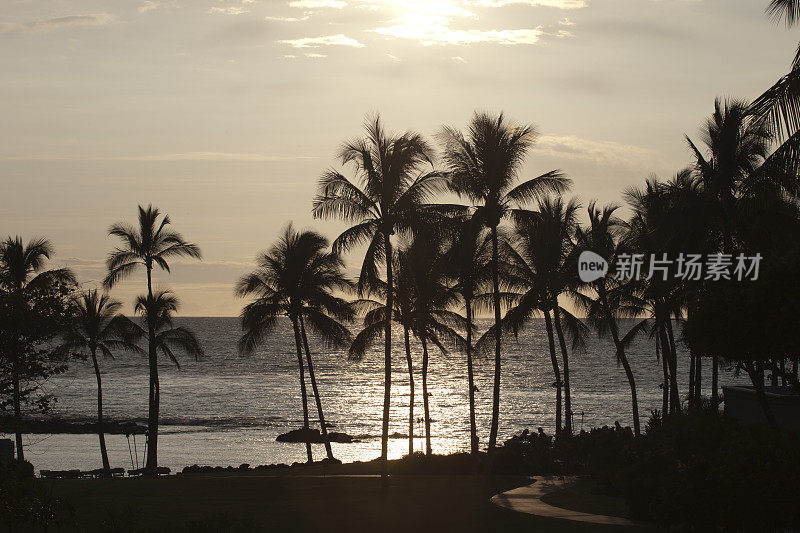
(527, 499)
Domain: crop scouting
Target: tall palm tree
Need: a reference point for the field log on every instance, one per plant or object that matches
(99, 327)
(469, 258)
(734, 168)
(539, 266)
(296, 278)
(611, 302)
(150, 245)
(388, 195)
(483, 166)
(22, 271)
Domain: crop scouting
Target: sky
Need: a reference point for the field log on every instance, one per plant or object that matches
(225, 113)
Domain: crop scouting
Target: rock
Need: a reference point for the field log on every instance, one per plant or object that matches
(313, 436)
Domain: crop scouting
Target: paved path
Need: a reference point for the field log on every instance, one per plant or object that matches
(527, 499)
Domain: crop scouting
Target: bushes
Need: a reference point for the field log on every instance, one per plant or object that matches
(702, 470)
(24, 504)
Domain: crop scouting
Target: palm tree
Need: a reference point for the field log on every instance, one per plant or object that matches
(388, 196)
(98, 327)
(540, 265)
(21, 273)
(150, 245)
(735, 167)
(483, 166)
(611, 302)
(295, 278)
(374, 325)
(469, 258)
(157, 311)
(424, 270)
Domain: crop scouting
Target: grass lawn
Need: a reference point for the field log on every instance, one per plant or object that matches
(256, 502)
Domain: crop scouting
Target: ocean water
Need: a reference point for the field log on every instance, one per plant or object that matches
(226, 409)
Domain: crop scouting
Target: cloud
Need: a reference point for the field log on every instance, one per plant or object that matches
(232, 10)
(97, 19)
(148, 6)
(437, 31)
(314, 4)
(305, 16)
(328, 40)
(601, 152)
(185, 156)
(316, 56)
(560, 4)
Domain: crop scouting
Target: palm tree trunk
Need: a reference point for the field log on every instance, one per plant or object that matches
(411, 392)
(673, 361)
(556, 372)
(17, 413)
(425, 403)
(303, 393)
(623, 358)
(665, 370)
(317, 398)
(387, 362)
(565, 358)
(698, 379)
(667, 365)
(473, 431)
(154, 392)
(100, 433)
(497, 343)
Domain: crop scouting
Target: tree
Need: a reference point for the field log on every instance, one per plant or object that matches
(468, 258)
(97, 326)
(374, 325)
(423, 269)
(296, 278)
(611, 302)
(390, 196)
(152, 244)
(34, 309)
(538, 266)
(483, 166)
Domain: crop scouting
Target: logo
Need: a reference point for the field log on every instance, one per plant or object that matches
(591, 266)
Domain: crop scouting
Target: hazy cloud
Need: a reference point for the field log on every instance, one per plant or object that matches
(328, 40)
(98, 19)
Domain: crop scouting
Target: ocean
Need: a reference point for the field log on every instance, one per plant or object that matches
(227, 410)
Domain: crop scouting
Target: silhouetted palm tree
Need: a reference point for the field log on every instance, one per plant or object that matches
(468, 258)
(296, 278)
(374, 325)
(539, 265)
(424, 270)
(388, 196)
(151, 244)
(611, 301)
(99, 327)
(21, 272)
(483, 166)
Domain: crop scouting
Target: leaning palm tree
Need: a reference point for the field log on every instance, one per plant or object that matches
(152, 244)
(296, 278)
(611, 300)
(22, 271)
(98, 327)
(388, 195)
(483, 166)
